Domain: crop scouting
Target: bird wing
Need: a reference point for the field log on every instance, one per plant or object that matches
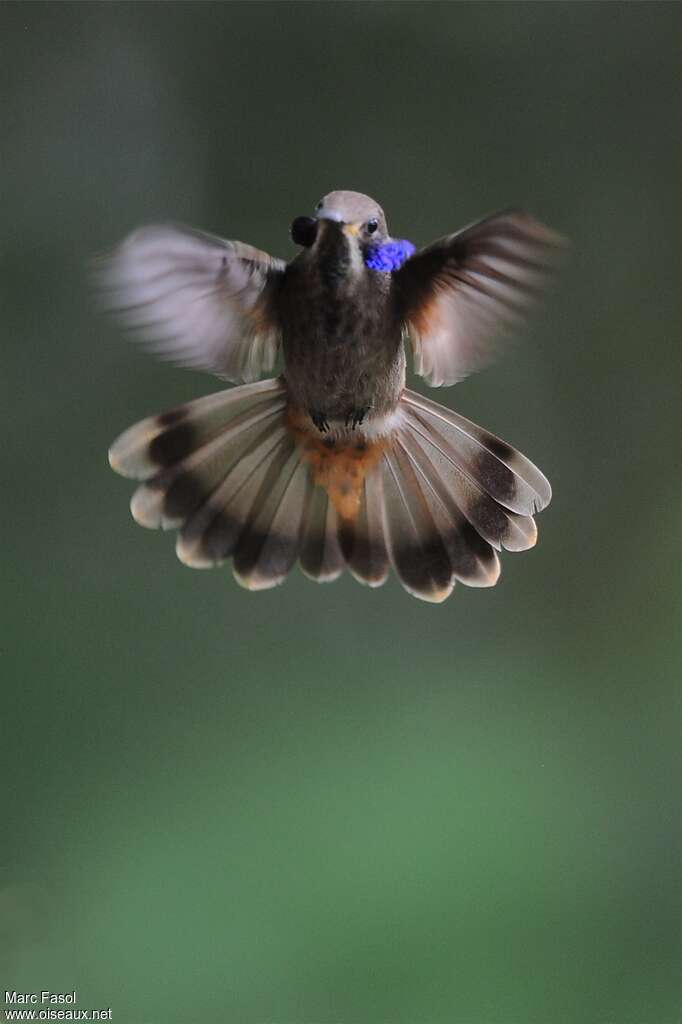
(196, 299)
(459, 294)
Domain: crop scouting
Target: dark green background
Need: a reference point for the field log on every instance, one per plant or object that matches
(335, 805)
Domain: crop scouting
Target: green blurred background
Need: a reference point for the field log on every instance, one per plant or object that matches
(335, 805)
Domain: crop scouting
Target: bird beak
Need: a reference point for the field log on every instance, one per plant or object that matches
(351, 230)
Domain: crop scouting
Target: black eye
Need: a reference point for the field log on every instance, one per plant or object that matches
(372, 225)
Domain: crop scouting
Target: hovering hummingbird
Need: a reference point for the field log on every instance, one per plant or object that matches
(334, 462)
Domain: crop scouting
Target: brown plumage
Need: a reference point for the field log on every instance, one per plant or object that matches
(333, 463)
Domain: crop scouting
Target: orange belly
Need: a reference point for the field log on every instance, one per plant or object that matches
(338, 465)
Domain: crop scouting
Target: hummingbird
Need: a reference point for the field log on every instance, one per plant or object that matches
(333, 462)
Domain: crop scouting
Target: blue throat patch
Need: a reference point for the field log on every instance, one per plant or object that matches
(389, 256)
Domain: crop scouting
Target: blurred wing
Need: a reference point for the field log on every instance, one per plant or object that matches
(196, 299)
(458, 295)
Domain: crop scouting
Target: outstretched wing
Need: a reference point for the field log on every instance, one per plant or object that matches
(196, 299)
(459, 294)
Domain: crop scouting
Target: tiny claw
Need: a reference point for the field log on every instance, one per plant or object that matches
(356, 417)
(320, 420)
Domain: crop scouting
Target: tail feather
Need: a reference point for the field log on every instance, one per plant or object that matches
(504, 473)
(464, 495)
(364, 538)
(269, 543)
(169, 498)
(416, 545)
(321, 555)
(241, 475)
(161, 441)
(209, 536)
(472, 559)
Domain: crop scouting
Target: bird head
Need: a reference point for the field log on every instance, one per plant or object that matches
(349, 222)
(357, 215)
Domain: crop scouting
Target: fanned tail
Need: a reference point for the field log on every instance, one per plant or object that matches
(244, 476)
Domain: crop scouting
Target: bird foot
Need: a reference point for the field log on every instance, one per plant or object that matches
(356, 416)
(320, 420)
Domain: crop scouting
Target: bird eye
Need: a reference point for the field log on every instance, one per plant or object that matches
(319, 206)
(372, 225)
